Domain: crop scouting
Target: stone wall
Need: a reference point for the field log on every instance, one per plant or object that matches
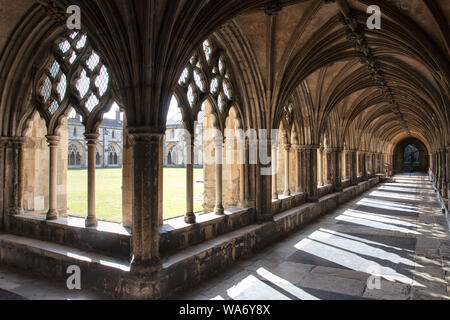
(36, 168)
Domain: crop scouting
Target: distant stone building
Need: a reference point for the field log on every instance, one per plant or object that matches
(173, 142)
(110, 144)
(109, 148)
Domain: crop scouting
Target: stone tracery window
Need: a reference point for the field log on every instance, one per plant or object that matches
(208, 72)
(205, 84)
(74, 156)
(112, 156)
(74, 75)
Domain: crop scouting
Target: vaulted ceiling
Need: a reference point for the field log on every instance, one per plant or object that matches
(369, 89)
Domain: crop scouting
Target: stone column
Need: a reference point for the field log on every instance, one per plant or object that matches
(371, 164)
(263, 178)
(127, 182)
(53, 143)
(380, 163)
(321, 167)
(364, 165)
(329, 162)
(18, 144)
(219, 145)
(337, 170)
(353, 168)
(442, 171)
(347, 156)
(448, 177)
(304, 168)
(435, 169)
(147, 147)
(243, 150)
(438, 164)
(298, 168)
(287, 189)
(2, 186)
(189, 151)
(274, 172)
(311, 167)
(445, 169)
(91, 138)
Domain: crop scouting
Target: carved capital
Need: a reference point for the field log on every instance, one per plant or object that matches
(53, 141)
(92, 138)
(145, 135)
(309, 147)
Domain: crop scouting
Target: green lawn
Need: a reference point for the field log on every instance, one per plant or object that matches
(109, 193)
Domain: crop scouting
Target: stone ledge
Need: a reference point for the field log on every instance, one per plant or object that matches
(287, 202)
(108, 238)
(178, 235)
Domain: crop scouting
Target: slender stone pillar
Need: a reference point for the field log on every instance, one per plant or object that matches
(287, 189)
(337, 169)
(147, 147)
(263, 179)
(2, 186)
(298, 168)
(320, 166)
(442, 174)
(346, 164)
(364, 165)
(436, 170)
(353, 168)
(18, 144)
(189, 141)
(274, 172)
(380, 163)
(328, 166)
(91, 138)
(242, 173)
(311, 166)
(448, 177)
(53, 143)
(219, 145)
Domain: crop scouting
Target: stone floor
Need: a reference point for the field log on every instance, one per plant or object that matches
(18, 285)
(391, 243)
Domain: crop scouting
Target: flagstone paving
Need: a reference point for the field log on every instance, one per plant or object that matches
(392, 243)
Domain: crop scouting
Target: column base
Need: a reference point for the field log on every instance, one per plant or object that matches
(148, 266)
(266, 218)
(15, 211)
(243, 204)
(287, 193)
(274, 196)
(52, 215)
(91, 223)
(190, 218)
(219, 210)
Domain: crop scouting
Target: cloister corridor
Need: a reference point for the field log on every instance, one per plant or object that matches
(396, 230)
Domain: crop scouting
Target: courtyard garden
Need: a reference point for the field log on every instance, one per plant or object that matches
(109, 193)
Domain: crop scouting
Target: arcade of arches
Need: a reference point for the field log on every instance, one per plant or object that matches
(352, 107)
